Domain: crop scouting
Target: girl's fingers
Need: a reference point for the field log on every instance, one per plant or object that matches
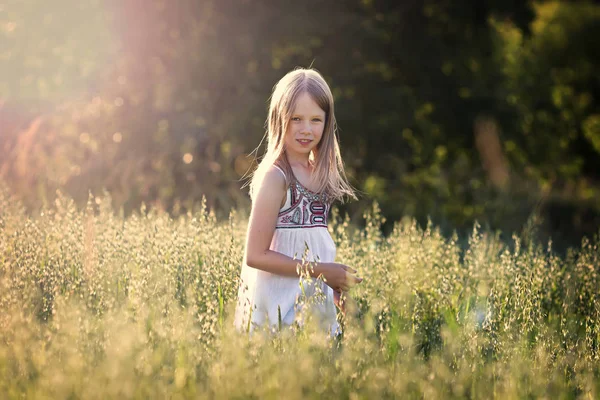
(349, 269)
(351, 280)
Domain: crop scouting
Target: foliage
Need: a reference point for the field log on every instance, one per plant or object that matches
(453, 111)
(99, 305)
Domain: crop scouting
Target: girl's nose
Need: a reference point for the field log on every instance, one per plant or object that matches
(306, 128)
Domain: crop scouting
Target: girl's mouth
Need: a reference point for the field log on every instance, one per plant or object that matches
(304, 142)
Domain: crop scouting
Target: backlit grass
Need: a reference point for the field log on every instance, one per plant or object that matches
(94, 305)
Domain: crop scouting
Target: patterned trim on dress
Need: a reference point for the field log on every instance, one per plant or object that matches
(307, 209)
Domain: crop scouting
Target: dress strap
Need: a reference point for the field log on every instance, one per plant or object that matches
(288, 192)
(282, 173)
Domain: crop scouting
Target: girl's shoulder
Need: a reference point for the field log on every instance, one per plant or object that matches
(275, 167)
(274, 181)
(274, 175)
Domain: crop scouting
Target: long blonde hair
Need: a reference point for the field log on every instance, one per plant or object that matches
(326, 157)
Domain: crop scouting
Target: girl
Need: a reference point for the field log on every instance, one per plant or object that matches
(292, 189)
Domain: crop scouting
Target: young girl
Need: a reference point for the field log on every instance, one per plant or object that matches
(292, 189)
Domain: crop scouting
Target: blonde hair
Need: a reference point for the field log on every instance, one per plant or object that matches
(327, 159)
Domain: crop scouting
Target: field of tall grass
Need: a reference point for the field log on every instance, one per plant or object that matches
(97, 305)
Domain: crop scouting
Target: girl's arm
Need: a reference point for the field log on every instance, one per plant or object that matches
(263, 219)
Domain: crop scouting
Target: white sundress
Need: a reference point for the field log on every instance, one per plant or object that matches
(264, 297)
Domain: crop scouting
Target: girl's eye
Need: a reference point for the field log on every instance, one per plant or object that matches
(298, 119)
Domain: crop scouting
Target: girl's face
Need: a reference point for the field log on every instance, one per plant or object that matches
(305, 127)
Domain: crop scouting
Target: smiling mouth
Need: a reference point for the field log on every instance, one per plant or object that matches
(304, 141)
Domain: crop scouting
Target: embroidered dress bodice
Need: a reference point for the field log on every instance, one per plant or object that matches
(302, 209)
(301, 231)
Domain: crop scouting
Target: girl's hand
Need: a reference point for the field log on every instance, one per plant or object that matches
(340, 277)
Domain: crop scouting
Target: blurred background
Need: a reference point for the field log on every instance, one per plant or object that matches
(455, 111)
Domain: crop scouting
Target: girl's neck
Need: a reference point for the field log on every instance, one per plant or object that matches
(302, 171)
(300, 161)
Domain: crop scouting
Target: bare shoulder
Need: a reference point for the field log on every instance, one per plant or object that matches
(272, 186)
(273, 178)
(267, 201)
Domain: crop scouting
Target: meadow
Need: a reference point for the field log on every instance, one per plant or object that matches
(98, 305)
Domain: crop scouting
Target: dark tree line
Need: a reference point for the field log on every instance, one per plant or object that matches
(457, 111)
